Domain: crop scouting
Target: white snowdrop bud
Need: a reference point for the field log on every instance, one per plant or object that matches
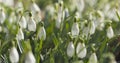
(92, 27)
(70, 49)
(34, 8)
(75, 29)
(110, 32)
(42, 33)
(2, 16)
(93, 58)
(14, 56)
(20, 35)
(22, 22)
(31, 24)
(29, 58)
(81, 50)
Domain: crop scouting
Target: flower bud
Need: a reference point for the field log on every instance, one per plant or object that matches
(42, 33)
(2, 16)
(93, 58)
(31, 24)
(22, 22)
(92, 27)
(29, 58)
(14, 56)
(75, 29)
(70, 49)
(110, 32)
(20, 35)
(81, 50)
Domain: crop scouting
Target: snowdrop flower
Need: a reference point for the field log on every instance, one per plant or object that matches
(66, 12)
(14, 56)
(110, 32)
(93, 58)
(34, 8)
(31, 23)
(75, 29)
(37, 17)
(92, 27)
(60, 15)
(22, 22)
(80, 5)
(12, 17)
(70, 49)
(20, 35)
(81, 50)
(29, 58)
(9, 3)
(2, 16)
(42, 33)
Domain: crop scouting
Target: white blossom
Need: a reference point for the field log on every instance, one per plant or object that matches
(22, 22)
(29, 58)
(75, 29)
(14, 56)
(42, 33)
(70, 49)
(110, 32)
(31, 24)
(2, 16)
(93, 58)
(20, 34)
(81, 50)
(92, 27)
(79, 61)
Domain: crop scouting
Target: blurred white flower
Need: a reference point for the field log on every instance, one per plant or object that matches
(0, 28)
(42, 33)
(20, 35)
(66, 11)
(22, 22)
(70, 49)
(80, 5)
(110, 32)
(9, 3)
(2, 16)
(37, 17)
(12, 18)
(93, 58)
(92, 27)
(75, 29)
(29, 58)
(81, 50)
(31, 24)
(14, 56)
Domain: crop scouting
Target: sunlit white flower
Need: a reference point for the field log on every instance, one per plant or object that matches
(81, 50)
(42, 33)
(31, 24)
(2, 16)
(75, 29)
(37, 17)
(12, 17)
(20, 35)
(22, 22)
(110, 32)
(9, 3)
(92, 27)
(34, 8)
(29, 58)
(14, 56)
(70, 49)
(93, 58)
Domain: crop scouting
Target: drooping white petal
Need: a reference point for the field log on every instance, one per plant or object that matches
(2, 16)
(29, 58)
(70, 49)
(37, 17)
(81, 50)
(75, 29)
(92, 27)
(14, 56)
(31, 24)
(110, 32)
(20, 35)
(42, 33)
(93, 58)
(22, 22)
(79, 61)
